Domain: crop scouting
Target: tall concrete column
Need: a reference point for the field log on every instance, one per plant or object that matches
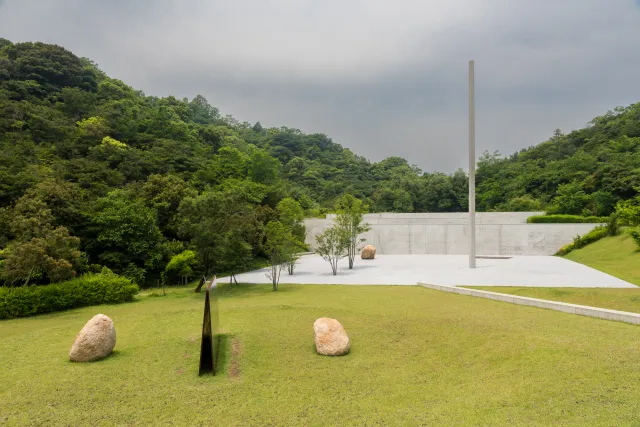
(472, 167)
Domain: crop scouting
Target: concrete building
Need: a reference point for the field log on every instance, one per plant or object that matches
(497, 233)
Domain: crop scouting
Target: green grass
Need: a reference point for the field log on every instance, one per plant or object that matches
(614, 299)
(419, 357)
(618, 256)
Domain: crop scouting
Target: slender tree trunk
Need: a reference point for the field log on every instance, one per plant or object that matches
(274, 276)
(29, 276)
(200, 284)
(234, 279)
(352, 253)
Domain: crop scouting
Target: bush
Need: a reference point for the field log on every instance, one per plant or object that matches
(635, 235)
(89, 289)
(582, 241)
(613, 225)
(566, 219)
(521, 204)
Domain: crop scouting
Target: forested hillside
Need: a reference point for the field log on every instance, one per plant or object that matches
(584, 172)
(95, 173)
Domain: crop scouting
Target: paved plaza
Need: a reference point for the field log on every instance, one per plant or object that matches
(538, 271)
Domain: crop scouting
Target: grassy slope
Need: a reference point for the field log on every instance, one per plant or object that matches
(614, 299)
(418, 357)
(617, 256)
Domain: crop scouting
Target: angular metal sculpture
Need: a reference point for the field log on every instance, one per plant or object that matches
(209, 346)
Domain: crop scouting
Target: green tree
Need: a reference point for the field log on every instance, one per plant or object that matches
(524, 203)
(128, 239)
(181, 265)
(331, 246)
(233, 254)
(205, 219)
(393, 200)
(278, 248)
(350, 226)
(53, 256)
(263, 168)
(571, 199)
(291, 215)
(164, 193)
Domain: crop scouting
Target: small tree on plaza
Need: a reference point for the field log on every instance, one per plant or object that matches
(349, 225)
(331, 247)
(281, 248)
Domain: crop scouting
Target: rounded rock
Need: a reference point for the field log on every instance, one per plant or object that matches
(330, 337)
(95, 341)
(369, 252)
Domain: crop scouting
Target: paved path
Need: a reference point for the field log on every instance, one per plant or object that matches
(538, 271)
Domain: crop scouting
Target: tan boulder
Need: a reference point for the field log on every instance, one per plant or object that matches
(95, 341)
(369, 252)
(330, 337)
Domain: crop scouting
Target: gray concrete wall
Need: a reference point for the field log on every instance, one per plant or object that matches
(499, 233)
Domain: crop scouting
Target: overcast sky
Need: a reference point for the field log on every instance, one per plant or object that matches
(380, 77)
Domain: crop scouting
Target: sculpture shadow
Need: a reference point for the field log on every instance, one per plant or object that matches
(224, 354)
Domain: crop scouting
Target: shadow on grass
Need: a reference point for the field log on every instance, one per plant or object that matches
(114, 355)
(224, 357)
(224, 354)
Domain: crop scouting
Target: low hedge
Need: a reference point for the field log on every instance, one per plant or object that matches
(567, 219)
(582, 241)
(89, 289)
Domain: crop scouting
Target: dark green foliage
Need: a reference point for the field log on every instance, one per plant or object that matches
(567, 219)
(585, 172)
(613, 225)
(635, 235)
(136, 179)
(582, 241)
(89, 289)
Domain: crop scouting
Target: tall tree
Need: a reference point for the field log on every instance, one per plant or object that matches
(332, 247)
(350, 226)
(128, 239)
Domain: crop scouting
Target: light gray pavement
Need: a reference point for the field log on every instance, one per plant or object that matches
(537, 271)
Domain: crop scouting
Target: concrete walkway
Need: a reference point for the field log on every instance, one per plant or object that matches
(537, 271)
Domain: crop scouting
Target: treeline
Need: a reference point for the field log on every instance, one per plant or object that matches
(586, 172)
(95, 173)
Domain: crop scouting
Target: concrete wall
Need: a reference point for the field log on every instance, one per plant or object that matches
(499, 233)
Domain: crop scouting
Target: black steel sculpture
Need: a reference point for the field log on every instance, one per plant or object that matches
(209, 347)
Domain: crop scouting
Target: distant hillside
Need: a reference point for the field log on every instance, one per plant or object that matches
(94, 172)
(584, 172)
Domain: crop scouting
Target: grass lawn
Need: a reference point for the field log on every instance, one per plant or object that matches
(614, 299)
(617, 256)
(419, 357)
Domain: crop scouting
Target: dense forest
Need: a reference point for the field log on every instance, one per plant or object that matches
(95, 173)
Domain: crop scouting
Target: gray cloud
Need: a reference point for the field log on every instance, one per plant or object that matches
(382, 78)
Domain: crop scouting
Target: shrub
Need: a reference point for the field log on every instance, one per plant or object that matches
(613, 225)
(521, 204)
(582, 241)
(635, 235)
(89, 289)
(566, 219)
